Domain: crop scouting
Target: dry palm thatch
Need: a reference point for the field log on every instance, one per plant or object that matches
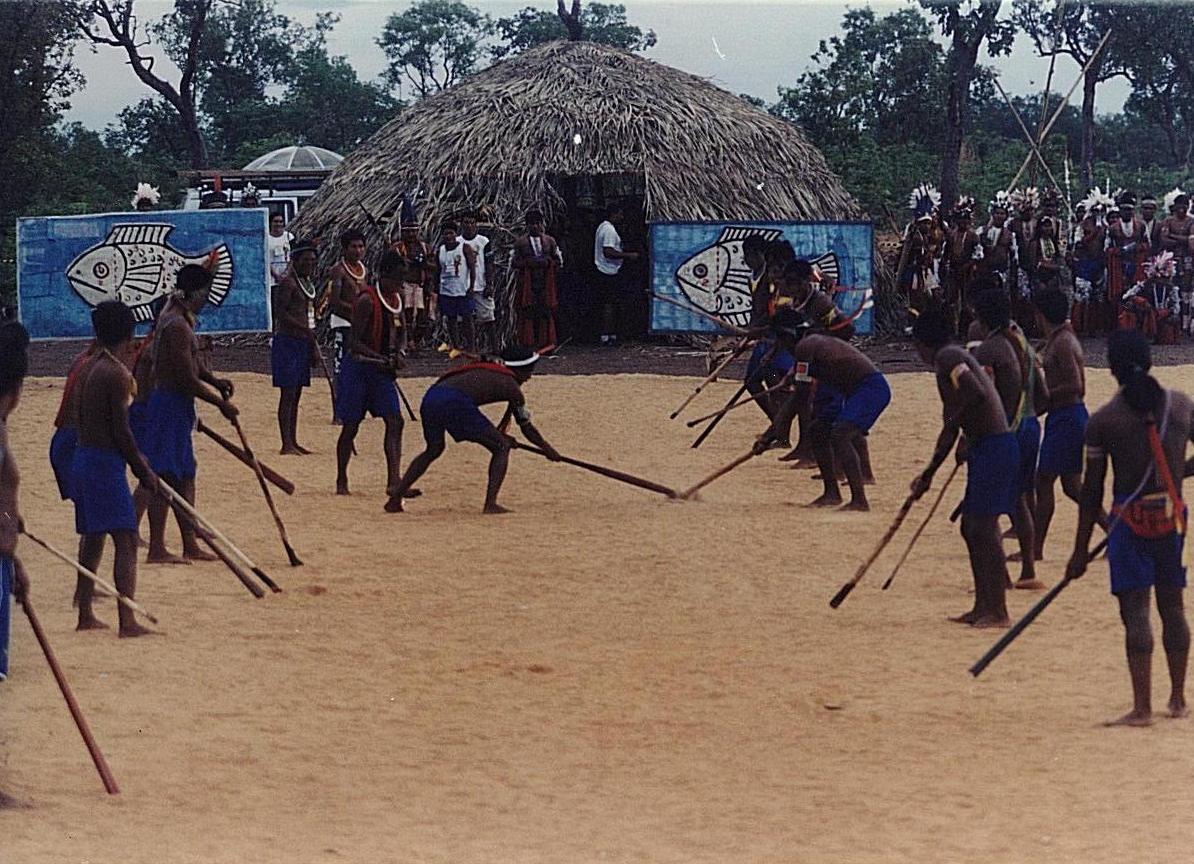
(505, 138)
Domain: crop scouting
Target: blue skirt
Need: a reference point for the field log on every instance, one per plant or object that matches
(364, 387)
(1028, 437)
(62, 453)
(862, 408)
(992, 476)
(446, 409)
(290, 360)
(103, 502)
(169, 422)
(1065, 436)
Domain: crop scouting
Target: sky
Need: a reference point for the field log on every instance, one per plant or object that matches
(745, 46)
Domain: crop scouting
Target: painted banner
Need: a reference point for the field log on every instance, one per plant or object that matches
(701, 264)
(66, 265)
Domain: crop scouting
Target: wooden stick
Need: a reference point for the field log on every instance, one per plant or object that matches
(270, 474)
(97, 757)
(734, 399)
(713, 319)
(1033, 144)
(720, 472)
(737, 352)
(406, 402)
(845, 590)
(327, 374)
(747, 401)
(1019, 627)
(605, 472)
(111, 590)
(202, 534)
(923, 525)
(269, 499)
(202, 522)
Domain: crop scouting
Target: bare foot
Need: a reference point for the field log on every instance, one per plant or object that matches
(1132, 718)
(1030, 584)
(290, 451)
(303, 451)
(134, 630)
(857, 506)
(164, 557)
(825, 501)
(412, 493)
(796, 455)
(91, 623)
(804, 464)
(495, 510)
(964, 618)
(342, 487)
(986, 622)
(1178, 709)
(198, 555)
(393, 505)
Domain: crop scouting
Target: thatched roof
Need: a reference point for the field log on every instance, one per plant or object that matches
(505, 136)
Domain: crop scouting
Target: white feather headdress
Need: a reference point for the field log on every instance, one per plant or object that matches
(1028, 198)
(924, 200)
(1098, 199)
(1171, 196)
(145, 192)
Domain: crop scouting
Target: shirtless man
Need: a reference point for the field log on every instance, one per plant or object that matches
(1176, 232)
(452, 406)
(1141, 422)
(996, 240)
(178, 380)
(971, 404)
(1010, 361)
(375, 354)
(66, 436)
(14, 361)
(837, 425)
(346, 280)
(417, 293)
(103, 502)
(293, 345)
(1065, 426)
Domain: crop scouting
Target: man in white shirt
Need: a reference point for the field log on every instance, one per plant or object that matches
(484, 307)
(608, 257)
(457, 278)
(277, 245)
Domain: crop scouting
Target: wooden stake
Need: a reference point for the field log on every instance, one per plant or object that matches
(923, 525)
(605, 472)
(111, 590)
(757, 396)
(269, 499)
(737, 352)
(76, 712)
(734, 399)
(845, 590)
(270, 474)
(328, 375)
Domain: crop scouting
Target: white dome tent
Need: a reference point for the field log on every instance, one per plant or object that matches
(283, 179)
(301, 157)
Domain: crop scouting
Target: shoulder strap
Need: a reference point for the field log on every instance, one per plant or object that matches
(1162, 468)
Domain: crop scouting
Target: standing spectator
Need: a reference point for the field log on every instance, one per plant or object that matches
(484, 308)
(346, 281)
(293, 345)
(417, 293)
(536, 260)
(608, 257)
(457, 276)
(277, 246)
(146, 197)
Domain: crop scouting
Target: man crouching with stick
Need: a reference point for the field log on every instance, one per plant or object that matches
(452, 406)
(1144, 429)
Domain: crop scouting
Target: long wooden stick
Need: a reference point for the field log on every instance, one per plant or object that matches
(328, 375)
(713, 319)
(845, 590)
(925, 524)
(720, 472)
(269, 499)
(1020, 626)
(406, 402)
(1033, 144)
(734, 355)
(612, 473)
(111, 590)
(202, 522)
(270, 474)
(101, 765)
(738, 395)
(747, 401)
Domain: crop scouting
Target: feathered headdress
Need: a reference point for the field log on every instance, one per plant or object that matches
(1001, 201)
(1098, 199)
(148, 193)
(1049, 195)
(1124, 198)
(1161, 266)
(1028, 198)
(1171, 196)
(964, 209)
(924, 200)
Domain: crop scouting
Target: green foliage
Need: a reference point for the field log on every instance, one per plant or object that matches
(433, 44)
(604, 23)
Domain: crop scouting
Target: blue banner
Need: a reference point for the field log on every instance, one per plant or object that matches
(700, 264)
(66, 265)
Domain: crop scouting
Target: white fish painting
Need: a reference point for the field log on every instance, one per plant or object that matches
(717, 278)
(135, 265)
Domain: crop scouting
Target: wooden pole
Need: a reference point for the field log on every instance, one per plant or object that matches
(723, 411)
(101, 765)
(328, 375)
(713, 319)
(111, 590)
(270, 474)
(406, 402)
(209, 541)
(923, 525)
(738, 395)
(845, 590)
(734, 355)
(613, 474)
(720, 472)
(269, 499)
(1035, 147)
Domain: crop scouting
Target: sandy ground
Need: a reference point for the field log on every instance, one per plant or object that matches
(601, 676)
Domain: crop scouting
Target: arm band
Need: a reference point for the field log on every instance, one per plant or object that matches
(522, 415)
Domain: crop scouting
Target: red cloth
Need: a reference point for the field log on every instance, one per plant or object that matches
(527, 322)
(475, 364)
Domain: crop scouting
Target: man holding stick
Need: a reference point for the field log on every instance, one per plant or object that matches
(103, 501)
(451, 406)
(293, 343)
(179, 380)
(971, 405)
(14, 362)
(371, 362)
(1144, 430)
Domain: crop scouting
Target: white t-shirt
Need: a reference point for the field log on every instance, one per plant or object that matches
(278, 250)
(478, 245)
(607, 235)
(453, 270)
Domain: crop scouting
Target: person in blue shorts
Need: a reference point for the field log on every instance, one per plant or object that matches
(292, 347)
(1144, 432)
(14, 584)
(178, 380)
(971, 405)
(375, 354)
(66, 436)
(451, 407)
(103, 501)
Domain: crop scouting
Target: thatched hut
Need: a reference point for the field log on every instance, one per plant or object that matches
(565, 127)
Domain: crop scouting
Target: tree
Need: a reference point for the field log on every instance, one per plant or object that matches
(967, 24)
(114, 23)
(433, 44)
(603, 23)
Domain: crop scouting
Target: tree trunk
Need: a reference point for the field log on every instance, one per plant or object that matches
(572, 22)
(961, 62)
(1086, 156)
(196, 146)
